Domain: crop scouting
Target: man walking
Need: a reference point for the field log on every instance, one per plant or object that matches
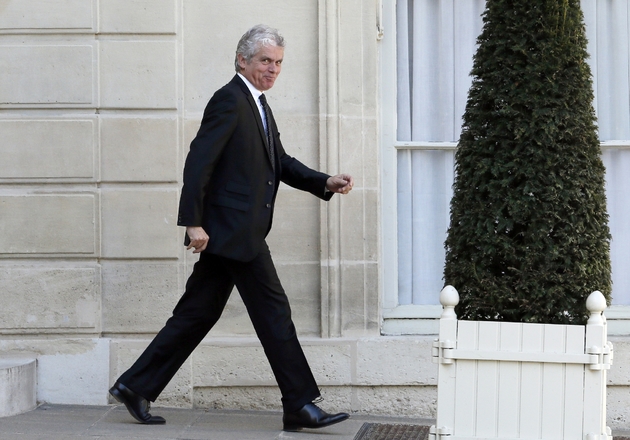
(231, 179)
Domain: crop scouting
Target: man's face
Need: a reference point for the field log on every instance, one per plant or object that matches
(264, 67)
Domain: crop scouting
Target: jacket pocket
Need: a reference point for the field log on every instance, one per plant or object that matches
(237, 188)
(228, 202)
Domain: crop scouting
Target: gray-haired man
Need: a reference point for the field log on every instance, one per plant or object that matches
(231, 178)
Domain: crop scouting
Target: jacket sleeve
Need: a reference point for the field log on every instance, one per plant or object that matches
(219, 122)
(298, 175)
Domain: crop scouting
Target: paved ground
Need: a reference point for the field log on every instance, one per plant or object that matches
(71, 422)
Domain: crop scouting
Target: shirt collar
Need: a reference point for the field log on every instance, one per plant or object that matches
(253, 90)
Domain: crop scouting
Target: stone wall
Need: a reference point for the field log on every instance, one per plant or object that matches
(99, 100)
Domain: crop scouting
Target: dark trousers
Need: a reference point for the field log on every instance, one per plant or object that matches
(207, 292)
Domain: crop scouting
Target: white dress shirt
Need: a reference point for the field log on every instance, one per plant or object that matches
(256, 94)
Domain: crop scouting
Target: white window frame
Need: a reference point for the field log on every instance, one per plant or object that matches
(421, 319)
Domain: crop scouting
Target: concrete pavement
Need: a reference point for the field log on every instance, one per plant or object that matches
(73, 422)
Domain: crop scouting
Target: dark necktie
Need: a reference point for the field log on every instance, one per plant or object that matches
(263, 101)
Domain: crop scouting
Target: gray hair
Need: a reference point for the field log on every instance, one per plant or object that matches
(252, 40)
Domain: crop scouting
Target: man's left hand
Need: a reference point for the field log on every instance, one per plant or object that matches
(341, 183)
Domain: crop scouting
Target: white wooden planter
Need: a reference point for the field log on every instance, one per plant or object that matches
(505, 380)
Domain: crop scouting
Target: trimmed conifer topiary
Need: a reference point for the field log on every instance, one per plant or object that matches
(528, 239)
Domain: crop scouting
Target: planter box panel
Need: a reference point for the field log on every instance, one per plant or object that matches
(465, 396)
(519, 380)
(573, 402)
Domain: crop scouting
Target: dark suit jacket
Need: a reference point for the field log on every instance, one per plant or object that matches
(229, 184)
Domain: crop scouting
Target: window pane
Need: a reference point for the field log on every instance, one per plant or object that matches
(617, 163)
(436, 41)
(425, 178)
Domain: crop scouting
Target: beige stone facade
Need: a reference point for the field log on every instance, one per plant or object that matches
(99, 100)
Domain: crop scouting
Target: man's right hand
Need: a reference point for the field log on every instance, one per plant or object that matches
(198, 238)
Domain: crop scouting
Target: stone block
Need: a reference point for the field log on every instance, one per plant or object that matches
(397, 326)
(358, 86)
(332, 363)
(351, 61)
(295, 234)
(395, 361)
(359, 230)
(369, 162)
(242, 363)
(352, 146)
(47, 74)
(138, 74)
(301, 283)
(137, 16)
(48, 224)
(124, 352)
(69, 371)
(617, 403)
(178, 393)
(37, 149)
(138, 297)
(217, 365)
(300, 137)
(384, 401)
(414, 401)
(299, 80)
(18, 386)
(297, 89)
(371, 222)
(359, 276)
(75, 375)
(354, 301)
(139, 150)
(140, 223)
(241, 398)
(191, 127)
(36, 299)
(47, 15)
(618, 373)
(373, 319)
(210, 52)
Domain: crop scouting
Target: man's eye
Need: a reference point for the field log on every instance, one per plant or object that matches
(265, 61)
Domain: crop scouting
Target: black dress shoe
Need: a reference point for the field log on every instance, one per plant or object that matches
(311, 416)
(137, 405)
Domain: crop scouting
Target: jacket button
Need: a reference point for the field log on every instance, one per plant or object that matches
(270, 183)
(268, 205)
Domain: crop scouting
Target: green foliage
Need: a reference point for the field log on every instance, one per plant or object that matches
(529, 238)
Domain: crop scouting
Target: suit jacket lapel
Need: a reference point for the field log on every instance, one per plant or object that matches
(259, 123)
(257, 117)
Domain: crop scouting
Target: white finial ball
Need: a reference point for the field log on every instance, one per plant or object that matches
(449, 296)
(596, 302)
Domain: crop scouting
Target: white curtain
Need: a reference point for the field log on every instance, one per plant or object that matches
(425, 178)
(436, 41)
(608, 31)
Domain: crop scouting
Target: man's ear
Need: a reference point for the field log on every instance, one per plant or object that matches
(241, 61)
